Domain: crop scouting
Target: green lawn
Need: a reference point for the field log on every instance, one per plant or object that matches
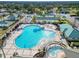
(76, 43)
(62, 22)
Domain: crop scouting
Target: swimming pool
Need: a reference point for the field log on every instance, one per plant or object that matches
(54, 50)
(31, 36)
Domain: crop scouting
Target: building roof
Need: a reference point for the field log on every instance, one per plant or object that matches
(74, 34)
(77, 18)
(71, 33)
(46, 18)
(64, 10)
(11, 18)
(50, 14)
(5, 23)
(68, 27)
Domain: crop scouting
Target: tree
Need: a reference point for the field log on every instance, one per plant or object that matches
(33, 19)
(1, 6)
(77, 13)
(2, 49)
(59, 8)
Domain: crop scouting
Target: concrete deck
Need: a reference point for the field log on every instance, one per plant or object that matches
(10, 47)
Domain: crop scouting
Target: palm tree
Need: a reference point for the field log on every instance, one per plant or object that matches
(33, 19)
(40, 54)
(2, 50)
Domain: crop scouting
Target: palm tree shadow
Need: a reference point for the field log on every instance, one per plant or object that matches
(40, 54)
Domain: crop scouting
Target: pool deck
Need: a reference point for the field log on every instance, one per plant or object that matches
(10, 47)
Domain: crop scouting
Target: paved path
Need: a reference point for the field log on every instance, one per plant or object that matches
(71, 54)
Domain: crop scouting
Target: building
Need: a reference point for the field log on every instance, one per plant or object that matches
(5, 24)
(75, 21)
(3, 10)
(71, 34)
(11, 18)
(48, 18)
(11, 26)
(64, 11)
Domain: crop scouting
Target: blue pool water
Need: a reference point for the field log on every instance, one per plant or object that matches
(54, 50)
(31, 35)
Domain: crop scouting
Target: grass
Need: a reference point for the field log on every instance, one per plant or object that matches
(76, 43)
(62, 22)
(2, 32)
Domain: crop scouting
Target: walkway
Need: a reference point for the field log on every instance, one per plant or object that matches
(71, 54)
